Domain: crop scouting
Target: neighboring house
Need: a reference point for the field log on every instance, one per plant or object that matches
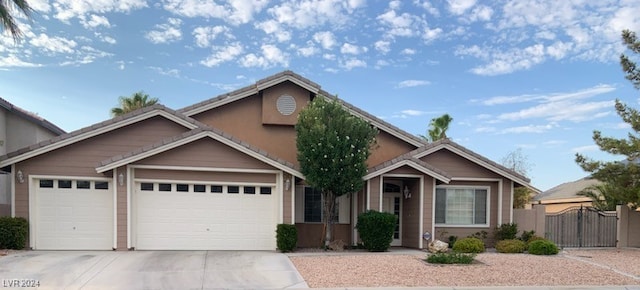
(19, 128)
(565, 195)
(221, 174)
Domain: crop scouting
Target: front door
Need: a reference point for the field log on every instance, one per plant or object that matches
(392, 203)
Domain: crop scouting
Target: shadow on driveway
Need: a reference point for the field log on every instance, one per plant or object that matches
(152, 269)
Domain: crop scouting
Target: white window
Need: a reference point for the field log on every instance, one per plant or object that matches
(309, 206)
(462, 206)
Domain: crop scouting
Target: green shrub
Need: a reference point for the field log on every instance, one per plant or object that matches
(527, 235)
(376, 230)
(13, 233)
(534, 238)
(506, 232)
(542, 247)
(450, 258)
(469, 245)
(286, 237)
(510, 246)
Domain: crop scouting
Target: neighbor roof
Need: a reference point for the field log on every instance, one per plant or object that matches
(567, 189)
(308, 85)
(31, 117)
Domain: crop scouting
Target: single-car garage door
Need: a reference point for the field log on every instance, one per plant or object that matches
(73, 214)
(187, 216)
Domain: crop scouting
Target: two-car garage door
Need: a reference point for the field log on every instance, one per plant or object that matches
(204, 216)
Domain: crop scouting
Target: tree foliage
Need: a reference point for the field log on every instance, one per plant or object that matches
(438, 128)
(7, 15)
(333, 147)
(623, 177)
(136, 101)
(518, 162)
(603, 195)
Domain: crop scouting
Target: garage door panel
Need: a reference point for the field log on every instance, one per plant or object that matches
(204, 220)
(73, 218)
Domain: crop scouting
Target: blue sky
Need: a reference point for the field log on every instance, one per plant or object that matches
(539, 75)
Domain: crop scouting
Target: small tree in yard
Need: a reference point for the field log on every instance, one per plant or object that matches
(333, 147)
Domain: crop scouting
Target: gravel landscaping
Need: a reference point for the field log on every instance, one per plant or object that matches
(571, 267)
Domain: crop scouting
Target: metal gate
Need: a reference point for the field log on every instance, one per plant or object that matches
(582, 227)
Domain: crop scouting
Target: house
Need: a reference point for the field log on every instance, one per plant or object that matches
(222, 173)
(19, 128)
(565, 195)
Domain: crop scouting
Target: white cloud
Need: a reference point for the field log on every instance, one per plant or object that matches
(234, 12)
(382, 46)
(581, 94)
(67, 9)
(53, 44)
(503, 62)
(274, 28)
(166, 72)
(426, 5)
(352, 63)
(326, 39)
(403, 25)
(408, 51)
(223, 54)
(205, 35)
(94, 21)
(303, 14)
(167, 32)
(431, 34)
(480, 13)
(13, 61)
(40, 5)
(414, 112)
(108, 39)
(307, 51)
(271, 56)
(459, 7)
(587, 148)
(529, 129)
(348, 48)
(412, 83)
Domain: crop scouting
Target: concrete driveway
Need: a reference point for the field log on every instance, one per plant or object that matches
(151, 269)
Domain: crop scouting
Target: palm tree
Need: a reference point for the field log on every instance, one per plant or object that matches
(603, 196)
(438, 128)
(8, 21)
(129, 104)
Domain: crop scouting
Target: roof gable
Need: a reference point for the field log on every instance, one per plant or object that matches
(97, 129)
(473, 157)
(414, 163)
(189, 137)
(308, 85)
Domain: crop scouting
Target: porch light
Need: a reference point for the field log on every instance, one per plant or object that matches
(121, 179)
(406, 192)
(287, 184)
(20, 176)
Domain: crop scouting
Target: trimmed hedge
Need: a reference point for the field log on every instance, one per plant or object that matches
(13, 233)
(542, 247)
(376, 230)
(510, 246)
(451, 258)
(286, 237)
(469, 245)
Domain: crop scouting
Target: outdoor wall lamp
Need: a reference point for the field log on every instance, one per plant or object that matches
(121, 179)
(287, 184)
(406, 192)
(20, 176)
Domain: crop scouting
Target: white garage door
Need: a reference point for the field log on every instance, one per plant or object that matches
(73, 214)
(182, 216)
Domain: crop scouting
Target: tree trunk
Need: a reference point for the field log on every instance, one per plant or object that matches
(328, 216)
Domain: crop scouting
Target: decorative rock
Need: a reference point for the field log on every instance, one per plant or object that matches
(337, 245)
(438, 246)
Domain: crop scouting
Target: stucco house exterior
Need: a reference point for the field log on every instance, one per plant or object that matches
(19, 128)
(222, 173)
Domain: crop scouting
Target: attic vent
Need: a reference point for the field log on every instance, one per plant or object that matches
(286, 105)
